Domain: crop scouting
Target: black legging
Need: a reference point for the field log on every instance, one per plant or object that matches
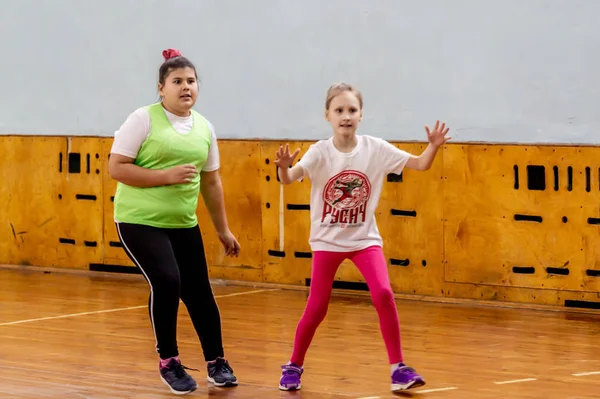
(174, 264)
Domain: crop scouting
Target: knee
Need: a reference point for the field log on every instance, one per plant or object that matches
(167, 283)
(383, 298)
(315, 311)
(198, 297)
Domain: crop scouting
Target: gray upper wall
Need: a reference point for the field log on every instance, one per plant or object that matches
(497, 71)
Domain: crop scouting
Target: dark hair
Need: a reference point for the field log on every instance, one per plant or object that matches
(173, 60)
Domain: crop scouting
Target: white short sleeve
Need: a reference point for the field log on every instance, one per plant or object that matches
(394, 158)
(310, 161)
(132, 134)
(213, 160)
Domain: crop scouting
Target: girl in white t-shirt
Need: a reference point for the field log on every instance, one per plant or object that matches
(347, 172)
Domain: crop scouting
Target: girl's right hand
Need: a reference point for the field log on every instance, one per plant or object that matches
(284, 158)
(180, 174)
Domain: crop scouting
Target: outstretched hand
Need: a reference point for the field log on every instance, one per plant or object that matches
(437, 136)
(284, 158)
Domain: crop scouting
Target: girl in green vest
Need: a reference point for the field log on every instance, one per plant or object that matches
(163, 156)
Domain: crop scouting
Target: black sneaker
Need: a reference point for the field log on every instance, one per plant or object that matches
(175, 377)
(221, 374)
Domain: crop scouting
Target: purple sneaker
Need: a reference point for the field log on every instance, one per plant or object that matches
(405, 377)
(290, 377)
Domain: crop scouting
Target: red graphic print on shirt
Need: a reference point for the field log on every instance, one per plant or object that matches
(345, 199)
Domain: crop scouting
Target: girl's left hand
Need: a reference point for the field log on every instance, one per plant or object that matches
(232, 246)
(437, 136)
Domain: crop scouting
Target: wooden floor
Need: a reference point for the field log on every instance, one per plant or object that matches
(80, 336)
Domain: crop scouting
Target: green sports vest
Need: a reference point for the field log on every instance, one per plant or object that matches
(171, 206)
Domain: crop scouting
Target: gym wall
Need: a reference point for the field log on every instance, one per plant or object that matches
(507, 212)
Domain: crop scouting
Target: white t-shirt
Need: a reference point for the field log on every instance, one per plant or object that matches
(345, 191)
(136, 128)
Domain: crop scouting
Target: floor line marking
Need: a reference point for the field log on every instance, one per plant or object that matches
(370, 397)
(10, 323)
(588, 373)
(246, 292)
(515, 381)
(437, 390)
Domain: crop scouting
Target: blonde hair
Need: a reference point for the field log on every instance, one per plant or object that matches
(337, 89)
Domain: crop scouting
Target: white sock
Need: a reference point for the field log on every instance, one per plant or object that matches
(393, 367)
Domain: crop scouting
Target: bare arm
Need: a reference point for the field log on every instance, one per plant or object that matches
(423, 161)
(436, 138)
(122, 169)
(212, 193)
(290, 175)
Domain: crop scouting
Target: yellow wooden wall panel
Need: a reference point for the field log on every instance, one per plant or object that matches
(484, 242)
(296, 222)
(81, 206)
(567, 240)
(285, 231)
(540, 296)
(31, 211)
(272, 235)
(414, 239)
(501, 293)
(113, 252)
(464, 227)
(474, 230)
(240, 175)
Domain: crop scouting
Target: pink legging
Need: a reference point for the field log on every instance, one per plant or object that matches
(371, 264)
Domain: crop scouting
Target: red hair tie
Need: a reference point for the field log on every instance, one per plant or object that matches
(170, 53)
